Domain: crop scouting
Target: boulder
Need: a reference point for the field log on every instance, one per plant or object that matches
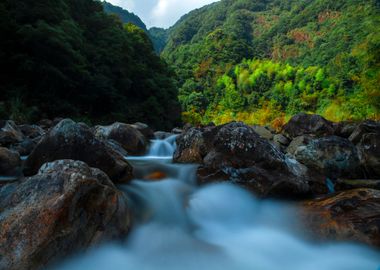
(333, 156)
(10, 162)
(70, 140)
(194, 144)
(363, 128)
(369, 149)
(127, 136)
(145, 130)
(10, 133)
(235, 152)
(64, 209)
(312, 124)
(352, 215)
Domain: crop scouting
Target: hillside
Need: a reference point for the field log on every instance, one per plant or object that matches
(69, 58)
(124, 15)
(334, 47)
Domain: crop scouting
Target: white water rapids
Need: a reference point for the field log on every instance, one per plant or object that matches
(180, 226)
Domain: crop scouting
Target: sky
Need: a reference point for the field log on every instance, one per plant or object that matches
(160, 13)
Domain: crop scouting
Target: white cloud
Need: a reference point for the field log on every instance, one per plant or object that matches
(162, 13)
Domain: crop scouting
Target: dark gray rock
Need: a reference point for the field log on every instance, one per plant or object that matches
(333, 156)
(70, 140)
(312, 124)
(64, 209)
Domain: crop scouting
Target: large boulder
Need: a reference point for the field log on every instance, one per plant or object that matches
(10, 162)
(369, 149)
(144, 129)
(352, 215)
(126, 135)
(10, 133)
(65, 208)
(236, 153)
(333, 156)
(70, 140)
(312, 124)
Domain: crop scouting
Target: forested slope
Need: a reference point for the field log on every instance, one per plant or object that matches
(310, 55)
(69, 58)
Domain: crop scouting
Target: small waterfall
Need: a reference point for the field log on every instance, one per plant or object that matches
(162, 148)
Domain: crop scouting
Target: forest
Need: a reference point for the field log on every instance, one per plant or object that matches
(68, 58)
(264, 61)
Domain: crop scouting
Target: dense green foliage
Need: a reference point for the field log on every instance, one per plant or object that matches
(68, 58)
(124, 15)
(159, 37)
(332, 48)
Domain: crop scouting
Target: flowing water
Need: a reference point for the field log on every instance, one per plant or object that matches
(180, 226)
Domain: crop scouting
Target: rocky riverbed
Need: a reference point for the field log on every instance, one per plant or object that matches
(60, 180)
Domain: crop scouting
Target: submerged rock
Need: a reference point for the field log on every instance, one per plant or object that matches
(65, 208)
(127, 136)
(352, 215)
(235, 152)
(70, 140)
(312, 124)
(10, 163)
(333, 156)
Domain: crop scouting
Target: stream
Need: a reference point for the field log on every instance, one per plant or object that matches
(180, 226)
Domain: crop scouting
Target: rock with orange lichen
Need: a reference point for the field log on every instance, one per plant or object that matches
(352, 215)
(65, 208)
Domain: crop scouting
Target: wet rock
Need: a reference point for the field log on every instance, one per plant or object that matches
(352, 215)
(236, 153)
(363, 128)
(333, 156)
(25, 147)
(10, 162)
(70, 140)
(129, 138)
(312, 124)
(10, 133)
(297, 142)
(369, 149)
(144, 129)
(64, 209)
